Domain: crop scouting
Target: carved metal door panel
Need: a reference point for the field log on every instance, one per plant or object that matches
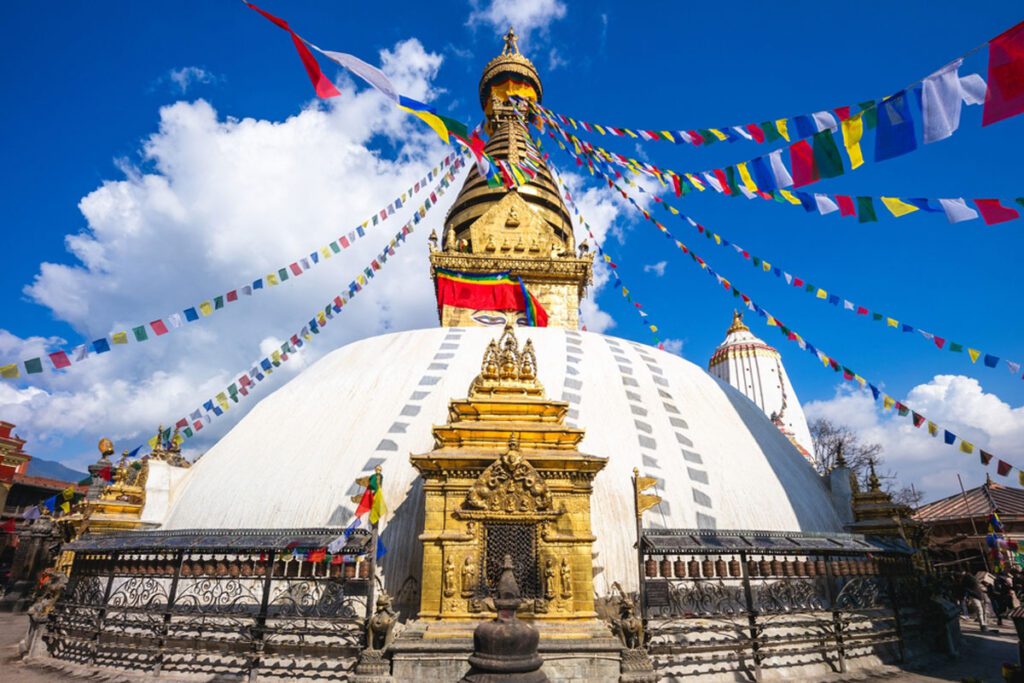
(519, 541)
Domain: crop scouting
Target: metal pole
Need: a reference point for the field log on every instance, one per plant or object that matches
(640, 551)
(373, 572)
(974, 527)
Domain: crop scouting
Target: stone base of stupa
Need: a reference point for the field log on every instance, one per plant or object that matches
(579, 651)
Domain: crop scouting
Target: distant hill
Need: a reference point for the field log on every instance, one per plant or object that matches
(51, 469)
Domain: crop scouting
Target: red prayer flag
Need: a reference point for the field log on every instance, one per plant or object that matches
(801, 157)
(842, 112)
(993, 212)
(8, 527)
(986, 457)
(697, 138)
(60, 359)
(233, 295)
(862, 311)
(720, 175)
(846, 207)
(1005, 95)
(159, 327)
(322, 84)
(296, 269)
(918, 419)
(677, 185)
(939, 341)
(197, 425)
(344, 242)
(1003, 468)
(182, 423)
(756, 131)
(107, 473)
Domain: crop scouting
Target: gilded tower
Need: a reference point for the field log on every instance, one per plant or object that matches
(525, 231)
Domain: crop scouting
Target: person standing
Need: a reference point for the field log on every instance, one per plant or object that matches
(974, 596)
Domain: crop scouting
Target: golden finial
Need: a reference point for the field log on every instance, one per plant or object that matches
(511, 42)
(737, 323)
(106, 447)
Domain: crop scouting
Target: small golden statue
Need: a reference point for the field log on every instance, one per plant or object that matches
(566, 577)
(449, 578)
(468, 577)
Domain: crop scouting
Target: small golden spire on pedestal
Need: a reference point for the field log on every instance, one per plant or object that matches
(737, 323)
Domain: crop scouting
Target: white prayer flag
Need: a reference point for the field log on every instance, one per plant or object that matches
(825, 204)
(823, 120)
(779, 170)
(957, 210)
(973, 89)
(940, 102)
(743, 133)
(368, 73)
(175, 320)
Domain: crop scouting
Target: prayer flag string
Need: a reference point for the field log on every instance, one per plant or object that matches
(63, 358)
(825, 296)
(942, 93)
(918, 419)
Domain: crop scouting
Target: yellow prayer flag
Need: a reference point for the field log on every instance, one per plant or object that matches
(654, 328)
(966, 446)
(630, 133)
(119, 337)
(152, 443)
(766, 267)
(667, 135)
(673, 210)
(276, 356)
(321, 318)
(206, 308)
(892, 323)
(325, 252)
(718, 240)
(783, 131)
(222, 400)
(65, 507)
(888, 402)
(748, 182)
(718, 134)
(178, 438)
(789, 197)
(696, 183)
(625, 292)
(431, 120)
(974, 354)
(898, 207)
(853, 131)
(10, 371)
(772, 322)
(272, 279)
(600, 129)
(822, 294)
(933, 428)
(361, 279)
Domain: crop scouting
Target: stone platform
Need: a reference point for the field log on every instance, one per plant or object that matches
(574, 652)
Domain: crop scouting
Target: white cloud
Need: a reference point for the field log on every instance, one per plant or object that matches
(185, 77)
(527, 16)
(955, 402)
(216, 203)
(556, 60)
(673, 346)
(657, 268)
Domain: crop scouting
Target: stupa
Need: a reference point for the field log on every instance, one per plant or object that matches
(493, 437)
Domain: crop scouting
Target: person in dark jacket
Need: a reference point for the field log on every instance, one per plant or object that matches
(972, 593)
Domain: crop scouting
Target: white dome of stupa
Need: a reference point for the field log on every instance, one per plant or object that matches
(292, 461)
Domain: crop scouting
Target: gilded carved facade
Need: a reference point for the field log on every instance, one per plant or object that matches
(505, 477)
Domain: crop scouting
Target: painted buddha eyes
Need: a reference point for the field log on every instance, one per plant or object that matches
(497, 320)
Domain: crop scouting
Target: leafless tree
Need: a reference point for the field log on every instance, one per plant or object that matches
(830, 439)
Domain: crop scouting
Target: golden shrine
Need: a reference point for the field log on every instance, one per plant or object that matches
(525, 231)
(505, 478)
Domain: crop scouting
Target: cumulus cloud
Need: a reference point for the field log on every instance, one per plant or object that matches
(956, 402)
(657, 268)
(529, 17)
(673, 346)
(185, 77)
(212, 204)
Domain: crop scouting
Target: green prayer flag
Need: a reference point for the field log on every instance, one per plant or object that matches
(809, 287)
(956, 348)
(756, 260)
(1019, 200)
(709, 137)
(730, 177)
(876, 316)
(33, 366)
(140, 333)
(826, 155)
(456, 128)
(771, 133)
(282, 274)
(187, 432)
(335, 248)
(865, 210)
(218, 302)
(735, 292)
(869, 114)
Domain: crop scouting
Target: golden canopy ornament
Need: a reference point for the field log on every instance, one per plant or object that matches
(507, 369)
(510, 484)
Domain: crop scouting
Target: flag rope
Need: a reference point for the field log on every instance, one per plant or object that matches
(1003, 467)
(764, 266)
(767, 176)
(767, 131)
(63, 358)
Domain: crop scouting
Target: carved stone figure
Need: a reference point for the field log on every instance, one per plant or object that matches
(566, 578)
(628, 626)
(584, 249)
(432, 241)
(380, 630)
(549, 579)
(449, 578)
(468, 576)
(449, 239)
(48, 590)
(512, 221)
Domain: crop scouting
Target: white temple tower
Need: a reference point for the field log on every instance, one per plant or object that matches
(755, 368)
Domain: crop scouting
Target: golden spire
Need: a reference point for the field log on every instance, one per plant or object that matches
(737, 323)
(507, 369)
(511, 42)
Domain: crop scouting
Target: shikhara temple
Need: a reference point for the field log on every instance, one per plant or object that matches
(661, 521)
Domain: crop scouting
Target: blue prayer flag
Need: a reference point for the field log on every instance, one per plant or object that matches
(265, 364)
(208, 406)
(805, 127)
(191, 315)
(949, 437)
(895, 133)
(991, 361)
(763, 176)
(101, 345)
(257, 284)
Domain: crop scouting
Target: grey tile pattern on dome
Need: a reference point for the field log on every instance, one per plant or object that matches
(648, 444)
(573, 356)
(412, 407)
(696, 475)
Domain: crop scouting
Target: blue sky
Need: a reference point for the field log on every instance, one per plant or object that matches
(85, 85)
